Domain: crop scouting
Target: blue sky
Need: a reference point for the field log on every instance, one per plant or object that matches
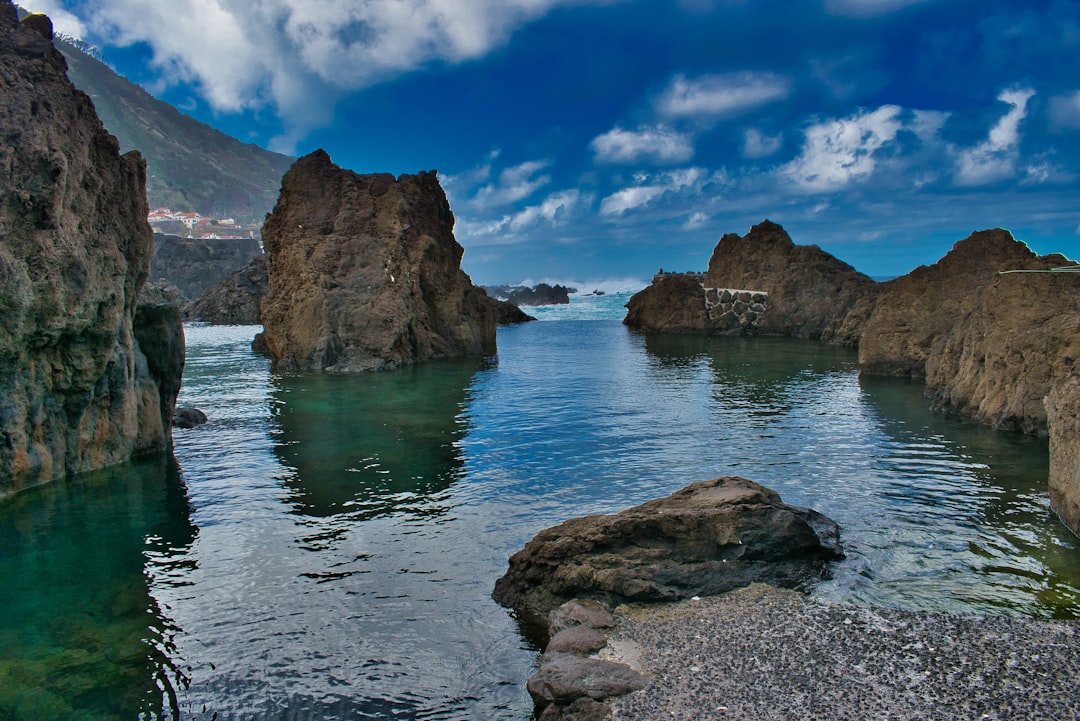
(600, 141)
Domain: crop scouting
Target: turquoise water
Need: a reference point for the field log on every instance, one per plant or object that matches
(326, 546)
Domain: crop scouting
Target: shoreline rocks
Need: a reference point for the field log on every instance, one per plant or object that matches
(365, 274)
(88, 373)
(707, 538)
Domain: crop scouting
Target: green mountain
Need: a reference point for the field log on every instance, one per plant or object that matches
(190, 165)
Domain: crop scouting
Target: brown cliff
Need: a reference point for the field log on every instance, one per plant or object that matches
(76, 389)
(365, 274)
(1063, 411)
(917, 310)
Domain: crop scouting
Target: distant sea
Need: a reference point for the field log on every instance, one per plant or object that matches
(325, 548)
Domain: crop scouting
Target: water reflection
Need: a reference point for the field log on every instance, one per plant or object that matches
(373, 444)
(81, 637)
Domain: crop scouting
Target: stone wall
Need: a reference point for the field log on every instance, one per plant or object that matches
(732, 308)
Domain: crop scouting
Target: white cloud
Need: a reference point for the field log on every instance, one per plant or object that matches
(657, 144)
(62, 20)
(1065, 110)
(867, 8)
(696, 220)
(650, 188)
(555, 209)
(995, 158)
(839, 152)
(514, 183)
(300, 56)
(758, 145)
(720, 95)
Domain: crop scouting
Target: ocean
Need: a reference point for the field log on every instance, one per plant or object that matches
(325, 548)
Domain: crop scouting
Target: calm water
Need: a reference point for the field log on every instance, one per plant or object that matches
(326, 546)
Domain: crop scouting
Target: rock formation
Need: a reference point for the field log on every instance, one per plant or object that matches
(234, 301)
(1063, 411)
(809, 292)
(87, 378)
(365, 273)
(1000, 359)
(195, 266)
(917, 310)
(705, 539)
(507, 313)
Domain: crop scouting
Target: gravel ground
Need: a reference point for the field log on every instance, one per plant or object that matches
(763, 653)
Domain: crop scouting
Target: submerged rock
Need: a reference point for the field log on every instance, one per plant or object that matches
(707, 538)
(87, 376)
(364, 273)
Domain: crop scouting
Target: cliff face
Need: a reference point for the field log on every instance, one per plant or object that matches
(76, 390)
(234, 301)
(1021, 337)
(1063, 409)
(810, 291)
(922, 307)
(365, 273)
(195, 266)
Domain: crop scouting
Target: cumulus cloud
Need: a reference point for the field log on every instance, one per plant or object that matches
(720, 95)
(514, 183)
(657, 144)
(995, 158)
(556, 209)
(650, 188)
(300, 56)
(838, 152)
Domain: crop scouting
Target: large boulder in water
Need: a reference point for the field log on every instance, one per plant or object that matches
(77, 388)
(365, 274)
(708, 538)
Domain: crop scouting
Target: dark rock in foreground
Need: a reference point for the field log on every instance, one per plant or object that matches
(365, 274)
(705, 539)
(87, 375)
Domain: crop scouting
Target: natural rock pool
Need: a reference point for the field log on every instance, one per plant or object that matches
(326, 546)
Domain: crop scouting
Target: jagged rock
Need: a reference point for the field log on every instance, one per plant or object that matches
(809, 291)
(998, 361)
(707, 538)
(541, 294)
(235, 301)
(1063, 410)
(195, 266)
(916, 310)
(508, 313)
(365, 273)
(673, 304)
(85, 380)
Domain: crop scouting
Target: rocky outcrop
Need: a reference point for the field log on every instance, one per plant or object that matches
(809, 290)
(1063, 411)
(87, 376)
(195, 266)
(997, 362)
(506, 313)
(800, 291)
(234, 301)
(707, 538)
(917, 310)
(539, 294)
(365, 273)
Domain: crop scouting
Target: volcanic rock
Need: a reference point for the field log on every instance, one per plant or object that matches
(707, 538)
(509, 314)
(196, 265)
(365, 274)
(673, 304)
(1063, 411)
(917, 310)
(234, 301)
(1021, 336)
(86, 380)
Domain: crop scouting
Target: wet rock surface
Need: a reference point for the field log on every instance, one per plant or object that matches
(365, 274)
(769, 654)
(85, 381)
(704, 539)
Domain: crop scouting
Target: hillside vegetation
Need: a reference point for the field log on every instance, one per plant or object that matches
(190, 165)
